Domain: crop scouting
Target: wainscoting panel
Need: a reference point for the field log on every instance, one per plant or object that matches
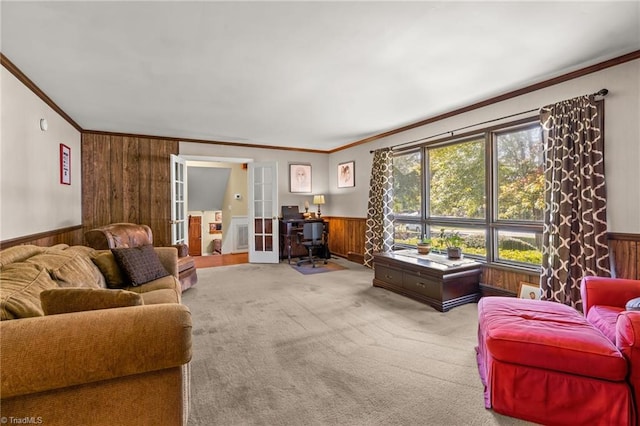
(347, 240)
(72, 236)
(507, 280)
(127, 179)
(346, 235)
(625, 255)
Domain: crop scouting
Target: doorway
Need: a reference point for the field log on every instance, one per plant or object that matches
(224, 182)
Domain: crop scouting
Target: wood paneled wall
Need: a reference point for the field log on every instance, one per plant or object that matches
(347, 240)
(625, 255)
(127, 179)
(72, 236)
(346, 235)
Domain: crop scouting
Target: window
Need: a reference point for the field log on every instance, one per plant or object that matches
(487, 186)
(457, 180)
(520, 180)
(407, 199)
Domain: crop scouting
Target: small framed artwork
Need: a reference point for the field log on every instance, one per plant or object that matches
(65, 164)
(299, 177)
(217, 216)
(346, 174)
(215, 228)
(529, 291)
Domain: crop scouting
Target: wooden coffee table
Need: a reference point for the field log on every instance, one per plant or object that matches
(432, 279)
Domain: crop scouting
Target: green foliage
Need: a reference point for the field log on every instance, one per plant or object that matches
(458, 180)
(451, 238)
(407, 183)
(520, 175)
(526, 256)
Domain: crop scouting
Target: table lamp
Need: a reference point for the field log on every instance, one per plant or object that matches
(319, 200)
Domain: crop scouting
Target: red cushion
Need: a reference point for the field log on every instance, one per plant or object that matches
(604, 319)
(547, 335)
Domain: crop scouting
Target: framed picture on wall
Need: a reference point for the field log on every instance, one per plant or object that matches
(347, 174)
(299, 177)
(217, 216)
(529, 291)
(65, 164)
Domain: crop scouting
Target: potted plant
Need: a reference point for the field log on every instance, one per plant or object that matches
(453, 241)
(424, 245)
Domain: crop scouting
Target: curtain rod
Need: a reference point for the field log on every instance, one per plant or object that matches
(602, 92)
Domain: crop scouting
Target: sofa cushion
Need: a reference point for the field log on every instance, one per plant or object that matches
(139, 264)
(547, 335)
(66, 300)
(155, 297)
(604, 319)
(19, 253)
(70, 268)
(20, 287)
(107, 264)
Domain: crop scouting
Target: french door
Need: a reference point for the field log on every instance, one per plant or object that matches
(178, 200)
(263, 212)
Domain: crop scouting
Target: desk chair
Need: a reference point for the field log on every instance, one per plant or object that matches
(313, 237)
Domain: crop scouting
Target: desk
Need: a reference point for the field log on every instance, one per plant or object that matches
(432, 279)
(289, 229)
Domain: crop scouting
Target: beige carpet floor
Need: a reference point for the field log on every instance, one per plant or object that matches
(274, 347)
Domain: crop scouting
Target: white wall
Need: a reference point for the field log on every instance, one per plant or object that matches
(32, 198)
(622, 142)
(319, 168)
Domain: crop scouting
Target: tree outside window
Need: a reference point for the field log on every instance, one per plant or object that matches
(501, 223)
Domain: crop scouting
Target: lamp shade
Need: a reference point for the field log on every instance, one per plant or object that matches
(318, 199)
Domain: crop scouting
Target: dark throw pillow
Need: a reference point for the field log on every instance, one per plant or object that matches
(139, 264)
(633, 304)
(67, 300)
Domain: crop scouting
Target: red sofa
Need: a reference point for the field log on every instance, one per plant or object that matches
(604, 301)
(545, 362)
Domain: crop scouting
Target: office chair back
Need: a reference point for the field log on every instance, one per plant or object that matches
(313, 231)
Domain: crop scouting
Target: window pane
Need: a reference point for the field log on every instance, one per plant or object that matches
(407, 185)
(457, 184)
(523, 247)
(475, 240)
(407, 233)
(520, 175)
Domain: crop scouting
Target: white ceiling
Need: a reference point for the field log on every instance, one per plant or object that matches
(316, 75)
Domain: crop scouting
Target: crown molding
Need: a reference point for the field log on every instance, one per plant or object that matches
(13, 69)
(528, 89)
(10, 66)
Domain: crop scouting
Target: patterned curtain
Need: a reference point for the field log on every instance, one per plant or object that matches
(574, 240)
(379, 232)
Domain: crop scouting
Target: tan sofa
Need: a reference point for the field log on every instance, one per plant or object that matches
(118, 366)
(123, 234)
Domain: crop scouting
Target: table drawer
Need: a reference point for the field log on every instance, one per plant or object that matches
(422, 285)
(389, 275)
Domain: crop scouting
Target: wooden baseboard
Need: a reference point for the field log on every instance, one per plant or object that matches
(356, 257)
(489, 290)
